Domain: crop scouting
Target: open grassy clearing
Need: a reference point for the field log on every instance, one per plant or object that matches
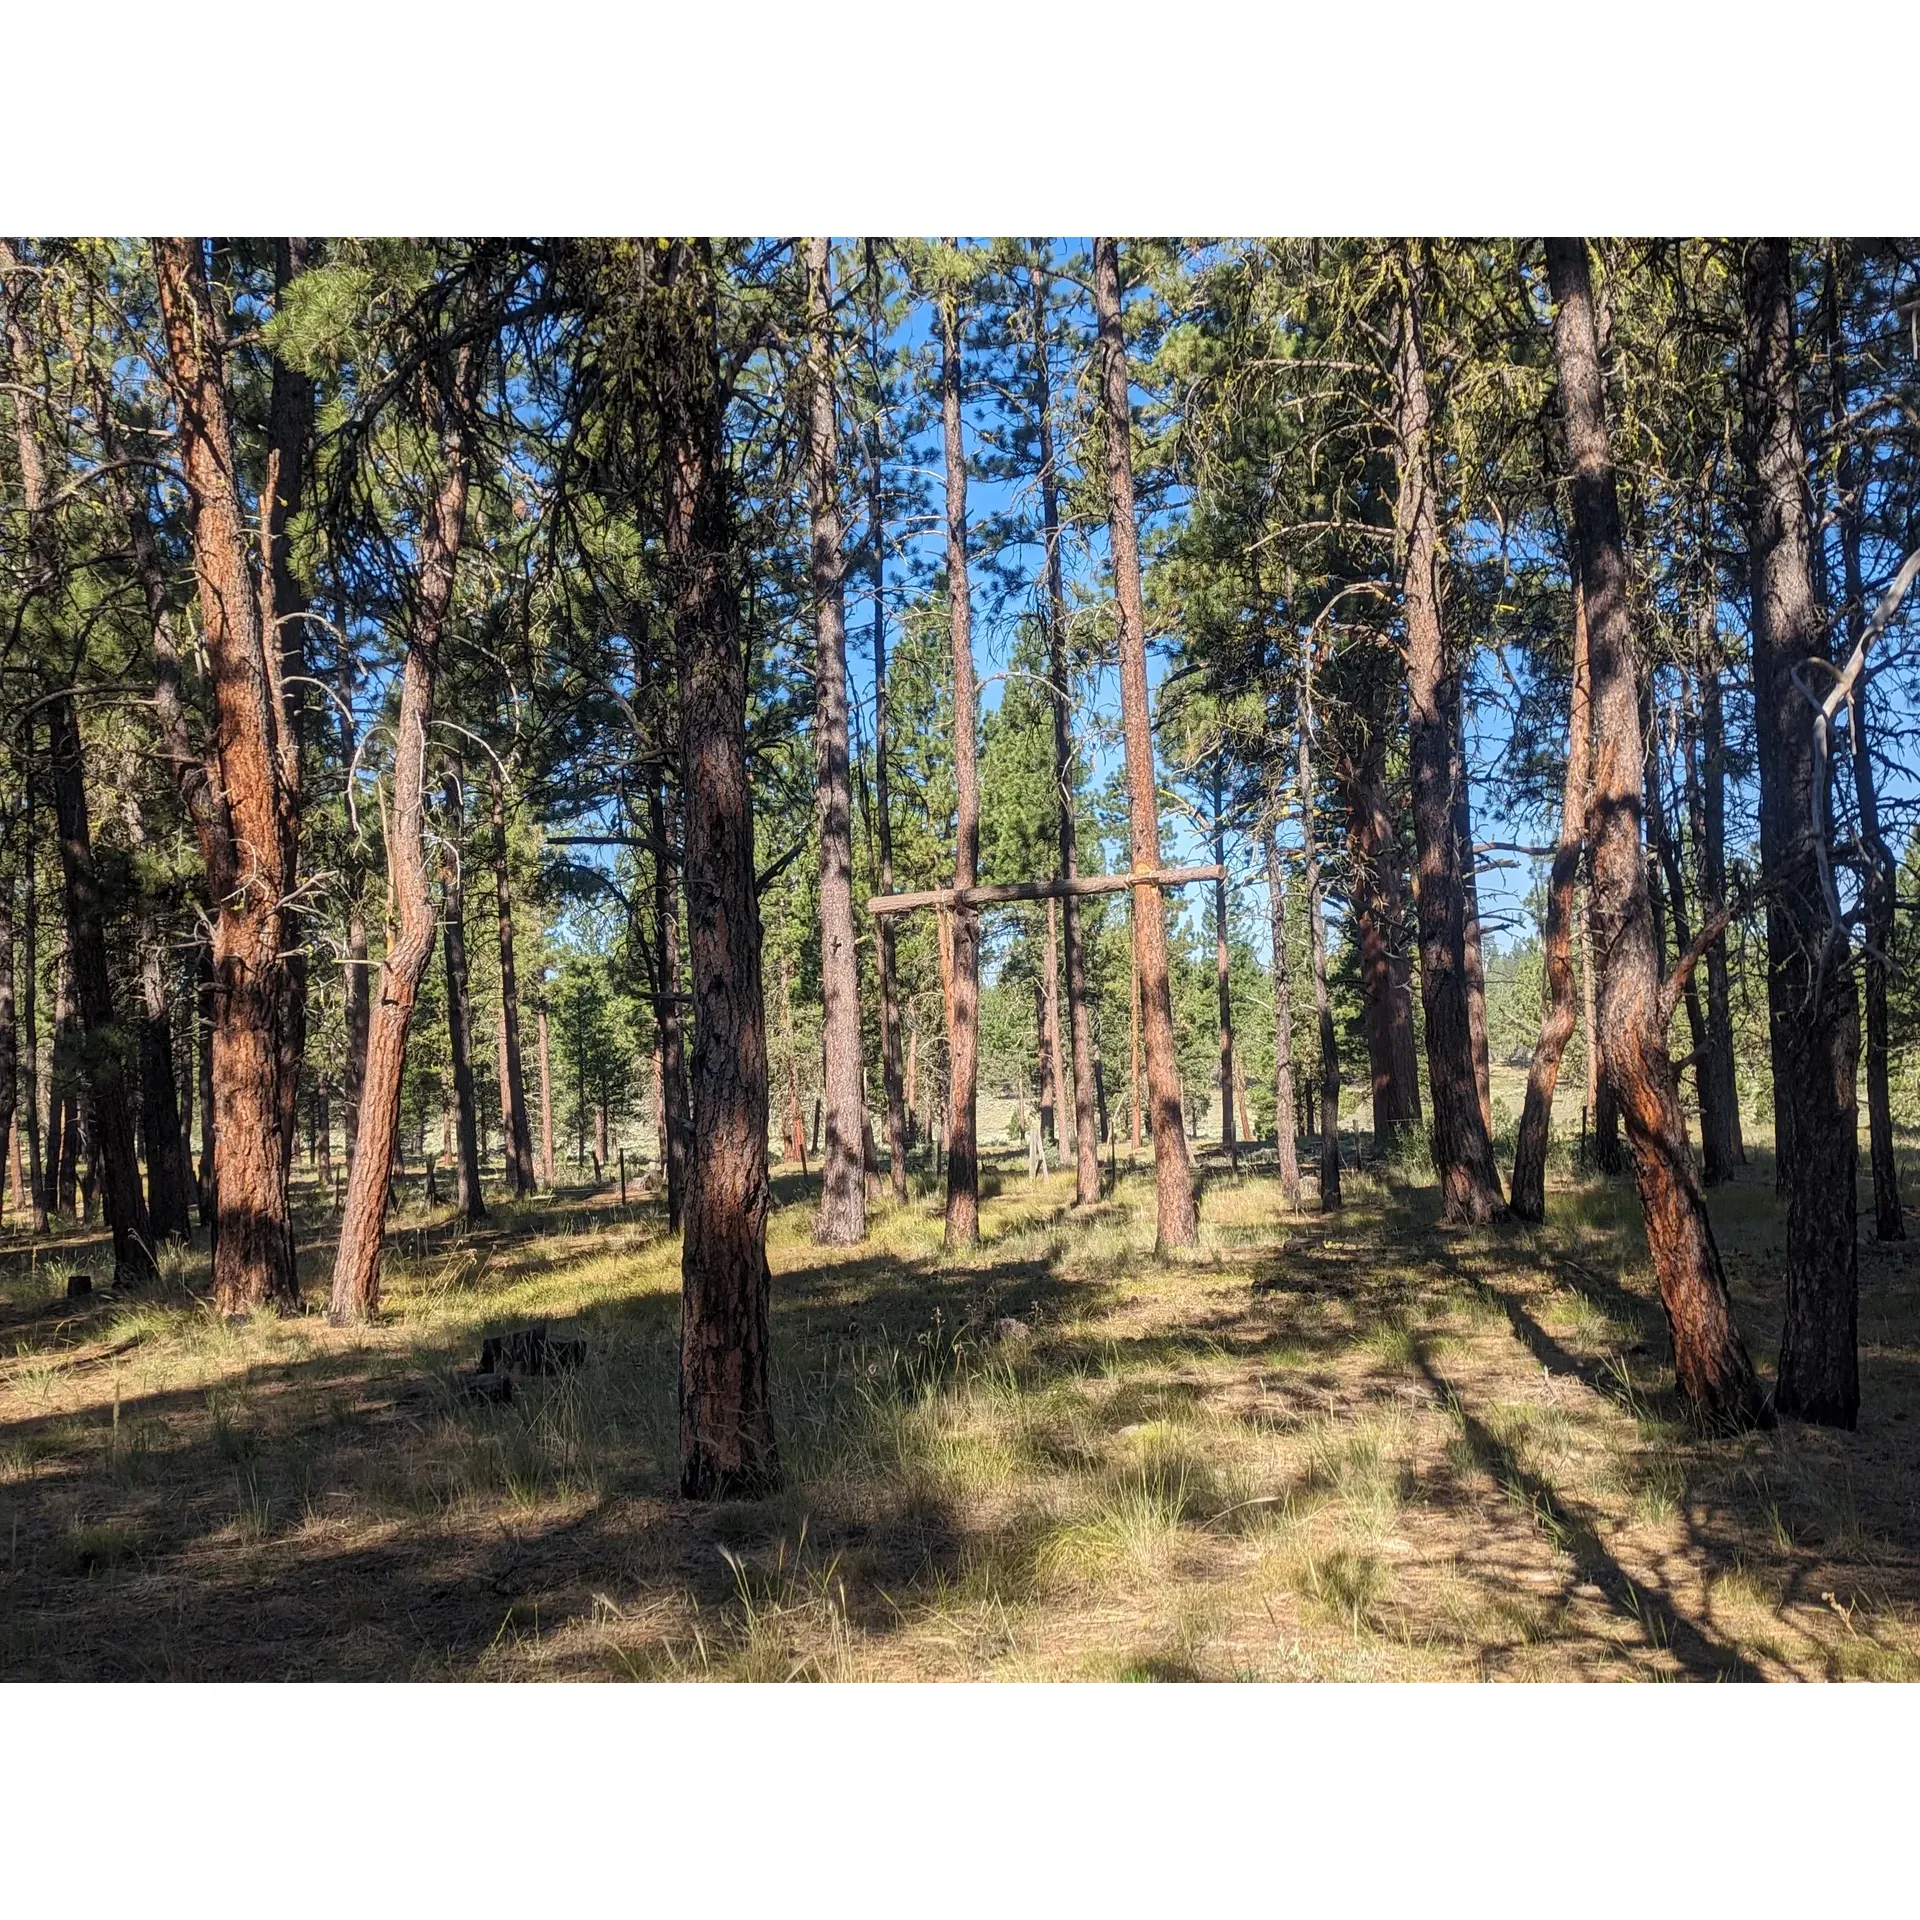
(1320, 1448)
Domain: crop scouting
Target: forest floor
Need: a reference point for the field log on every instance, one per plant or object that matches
(1320, 1447)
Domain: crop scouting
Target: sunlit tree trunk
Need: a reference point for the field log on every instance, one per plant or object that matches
(241, 813)
(1177, 1219)
(467, 1197)
(513, 1079)
(1223, 989)
(1286, 1124)
(1317, 946)
(356, 1266)
(1715, 1376)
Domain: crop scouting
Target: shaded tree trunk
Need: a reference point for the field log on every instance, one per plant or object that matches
(1379, 914)
(1057, 1108)
(963, 999)
(1086, 1129)
(726, 1413)
(668, 1010)
(1286, 1125)
(203, 1064)
(513, 1080)
(240, 810)
(37, 1184)
(899, 1101)
(169, 1188)
(841, 1219)
(356, 1266)
(1469, 862)
(1177, 1220)
(1660, 842)
(9, 1033)
(1462, 1147)
(1528, 1197)
(1223, 988)
(467, 1197)
(1317, 946)
(1706, 805)
(1715, 1377)
(1812, 997)
(546, 1100)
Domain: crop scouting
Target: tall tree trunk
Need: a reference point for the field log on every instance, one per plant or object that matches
(290, 411)
(1379, 915)
(899, 1102)
(9, 1032)
(796, 1117)
(546, 1099)
(37, 1184)
(1462, 1147)
(1176, 1217)
(1813, 1000)
(1286, 1125)
(1881, 870)
(169, 1189)
(1706, 804)
(726, 1412)
(518, 1135)
(1317, 941)
(356, 1266)
(841, 1220)
(1660, 841)
(1133, 1000)
(1529, 1192)
(668, 1009)
(1476, 975)
(1715, 1376)
(241, 812)
(1223, 986)
(203, 1069)
(963, 1001)
(1086, 1191)
(467, 1197)
(1042, 1039)
(1529, 1197)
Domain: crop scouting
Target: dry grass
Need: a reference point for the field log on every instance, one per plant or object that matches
(1346, 1447)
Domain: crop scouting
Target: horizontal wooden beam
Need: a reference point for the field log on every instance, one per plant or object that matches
(1013, 890)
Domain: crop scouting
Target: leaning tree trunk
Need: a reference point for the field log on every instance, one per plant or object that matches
(1286, 1126)
(513, 1079)
(898, 1102)
(841, 1220)
(363, 1219)
(1529, 1192)
(726, 1412)
(1086, 1137)
(1462, 1148)
(239, 810)
(1813, 1000)
(468, 1200)
(1176, 1217)
(963, 999)
(1715, 1376)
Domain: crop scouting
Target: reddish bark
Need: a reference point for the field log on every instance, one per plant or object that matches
(356, 1266)
(1177, 1219)
(1715, 1376)
(240, 812)
(726, 1414)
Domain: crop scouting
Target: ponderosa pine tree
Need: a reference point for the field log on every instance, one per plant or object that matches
(468, 1202)
(1812, 998)
(1715, 1376)
(841, 1219)
(1176, 1218)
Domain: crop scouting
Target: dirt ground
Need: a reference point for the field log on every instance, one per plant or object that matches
(1320, 1447)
